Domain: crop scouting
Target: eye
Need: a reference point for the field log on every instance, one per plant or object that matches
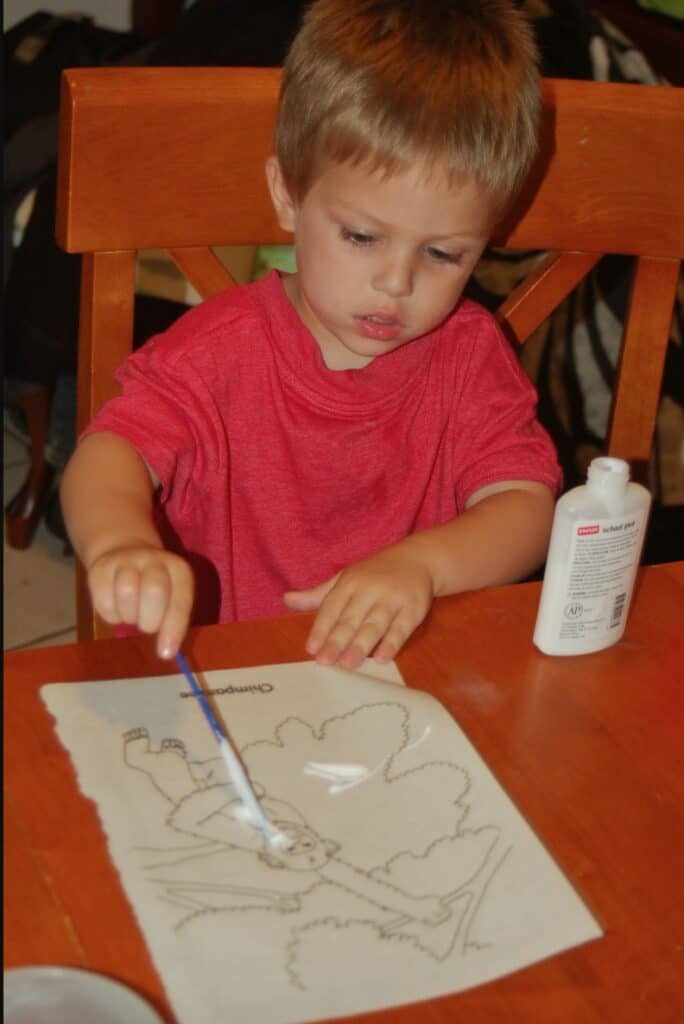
(356, 237)
(440, 256)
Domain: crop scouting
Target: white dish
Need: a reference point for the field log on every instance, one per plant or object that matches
(67, 995)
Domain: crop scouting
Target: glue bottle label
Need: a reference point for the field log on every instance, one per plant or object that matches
(601, 566)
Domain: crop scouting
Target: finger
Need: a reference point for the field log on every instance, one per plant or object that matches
(155, 594)
(127, 594)
(101, 585)
(175, 622)
(337, 641)
(394, 639)
(369, 634)
(336, 613)
(360, 625)
(104, 601)
(309, 600)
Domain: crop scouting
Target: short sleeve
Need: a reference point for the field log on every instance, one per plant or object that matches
(497, 435)
(165, 411)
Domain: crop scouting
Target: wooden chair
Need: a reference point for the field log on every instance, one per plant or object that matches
(173, 158)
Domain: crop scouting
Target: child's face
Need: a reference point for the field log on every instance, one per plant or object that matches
(380, 261)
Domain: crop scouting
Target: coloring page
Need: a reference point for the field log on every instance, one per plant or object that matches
(408, 873)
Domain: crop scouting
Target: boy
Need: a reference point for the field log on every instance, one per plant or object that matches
(351, 439)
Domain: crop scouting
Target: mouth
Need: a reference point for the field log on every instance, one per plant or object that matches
(379, 326)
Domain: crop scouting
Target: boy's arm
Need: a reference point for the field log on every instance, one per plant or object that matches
(375, 604)
(107, 492)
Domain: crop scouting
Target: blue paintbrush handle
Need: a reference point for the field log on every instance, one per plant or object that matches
(204, 703)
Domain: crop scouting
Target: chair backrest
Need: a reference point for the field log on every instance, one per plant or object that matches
(171, 158)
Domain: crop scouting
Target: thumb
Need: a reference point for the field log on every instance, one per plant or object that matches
(309, 600)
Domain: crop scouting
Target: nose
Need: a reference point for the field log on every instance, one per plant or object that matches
(394, 275)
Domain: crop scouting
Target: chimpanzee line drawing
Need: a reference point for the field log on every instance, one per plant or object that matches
(225, 866)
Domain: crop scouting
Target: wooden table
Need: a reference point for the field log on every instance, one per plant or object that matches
(591, 749)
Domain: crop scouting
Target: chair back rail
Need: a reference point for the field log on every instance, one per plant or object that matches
(172, 158)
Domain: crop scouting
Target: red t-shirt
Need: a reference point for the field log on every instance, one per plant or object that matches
(276, 472)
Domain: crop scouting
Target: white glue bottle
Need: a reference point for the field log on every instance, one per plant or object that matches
(596, 541)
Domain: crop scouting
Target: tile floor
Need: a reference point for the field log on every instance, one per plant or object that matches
(39, 605)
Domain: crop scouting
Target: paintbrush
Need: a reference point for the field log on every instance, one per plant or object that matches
(238, 775)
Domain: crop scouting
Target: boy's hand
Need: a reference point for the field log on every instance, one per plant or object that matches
(372, 606)
(144, 586)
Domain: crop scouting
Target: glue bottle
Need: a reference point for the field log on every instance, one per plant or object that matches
(596, 541)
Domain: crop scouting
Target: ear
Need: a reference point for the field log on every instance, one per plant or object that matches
(284, 206)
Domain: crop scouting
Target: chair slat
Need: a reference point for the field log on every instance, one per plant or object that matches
(543, 289)
(641, 361)
(105, 327)
(203, 269)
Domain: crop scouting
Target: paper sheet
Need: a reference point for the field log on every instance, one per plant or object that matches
(411, 873)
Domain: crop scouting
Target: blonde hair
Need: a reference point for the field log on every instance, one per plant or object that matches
(390, 82)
